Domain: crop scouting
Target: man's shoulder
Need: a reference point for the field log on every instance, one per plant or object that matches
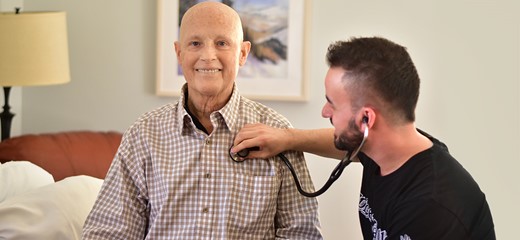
(164, 111)
(157, 116)
(263, 114)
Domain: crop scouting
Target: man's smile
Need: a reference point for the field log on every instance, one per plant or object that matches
(213, 70)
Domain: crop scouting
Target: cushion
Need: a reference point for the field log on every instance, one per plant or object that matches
(55, 211)
(65, 154)
(21, 176)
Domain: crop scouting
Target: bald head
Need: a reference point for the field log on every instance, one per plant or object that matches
(210, 51)
(205, 13)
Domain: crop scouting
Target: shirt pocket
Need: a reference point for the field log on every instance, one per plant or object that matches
(253, 203)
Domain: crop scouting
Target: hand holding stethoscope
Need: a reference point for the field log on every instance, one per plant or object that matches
(336, 173)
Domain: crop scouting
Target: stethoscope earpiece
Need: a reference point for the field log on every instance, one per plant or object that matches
(365, 120)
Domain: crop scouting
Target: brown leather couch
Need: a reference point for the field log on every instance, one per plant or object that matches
(65, 154)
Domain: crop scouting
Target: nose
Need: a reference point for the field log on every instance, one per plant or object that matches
(208, 53)
(326, 112)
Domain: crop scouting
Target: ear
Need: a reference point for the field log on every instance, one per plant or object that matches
(245, 47)
(177, 48)
(367, 118)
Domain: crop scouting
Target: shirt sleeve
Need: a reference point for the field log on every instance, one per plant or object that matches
(120, 211)
(297, 216)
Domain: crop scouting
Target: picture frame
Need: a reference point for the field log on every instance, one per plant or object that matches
(275, 66)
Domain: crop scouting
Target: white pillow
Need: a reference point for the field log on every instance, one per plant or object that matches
(56, 211)
(21, 176)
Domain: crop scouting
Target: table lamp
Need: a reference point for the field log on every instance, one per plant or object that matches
(33, 52)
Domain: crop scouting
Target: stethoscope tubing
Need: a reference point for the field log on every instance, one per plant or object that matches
(336, 173)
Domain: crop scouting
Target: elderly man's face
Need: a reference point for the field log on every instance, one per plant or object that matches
(210, 51)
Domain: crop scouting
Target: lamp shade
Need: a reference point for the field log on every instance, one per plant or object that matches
(33, 49)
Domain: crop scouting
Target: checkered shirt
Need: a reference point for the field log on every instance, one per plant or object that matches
(170, 180)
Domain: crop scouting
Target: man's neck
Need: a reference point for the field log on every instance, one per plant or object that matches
(201, 108)
(393, 148)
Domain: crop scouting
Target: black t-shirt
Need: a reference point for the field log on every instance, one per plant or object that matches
(430, 197)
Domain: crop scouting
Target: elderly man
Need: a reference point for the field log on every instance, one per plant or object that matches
(172, 177)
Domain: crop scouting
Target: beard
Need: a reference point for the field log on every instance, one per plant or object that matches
(350, 139)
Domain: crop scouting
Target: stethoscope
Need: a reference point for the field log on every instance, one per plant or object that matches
(336, 173)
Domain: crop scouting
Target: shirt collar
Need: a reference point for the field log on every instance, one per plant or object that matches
(229, 112)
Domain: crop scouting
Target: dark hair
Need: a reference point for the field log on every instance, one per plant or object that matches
(378, 72)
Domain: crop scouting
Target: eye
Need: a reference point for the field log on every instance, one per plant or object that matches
(328, 100)
(222, 43)
(194, 43)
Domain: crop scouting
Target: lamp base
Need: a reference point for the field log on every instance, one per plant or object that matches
(6, 117)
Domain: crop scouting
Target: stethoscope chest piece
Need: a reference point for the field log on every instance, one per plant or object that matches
(240, 156)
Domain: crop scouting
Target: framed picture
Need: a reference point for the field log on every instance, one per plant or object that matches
(274, 68)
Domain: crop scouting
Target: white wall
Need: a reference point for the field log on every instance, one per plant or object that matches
(467, 54)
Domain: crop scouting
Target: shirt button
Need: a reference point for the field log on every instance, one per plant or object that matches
(208, 175)
(208, 141)
(205, 210)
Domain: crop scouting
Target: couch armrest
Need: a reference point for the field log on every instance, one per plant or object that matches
(65, 154)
